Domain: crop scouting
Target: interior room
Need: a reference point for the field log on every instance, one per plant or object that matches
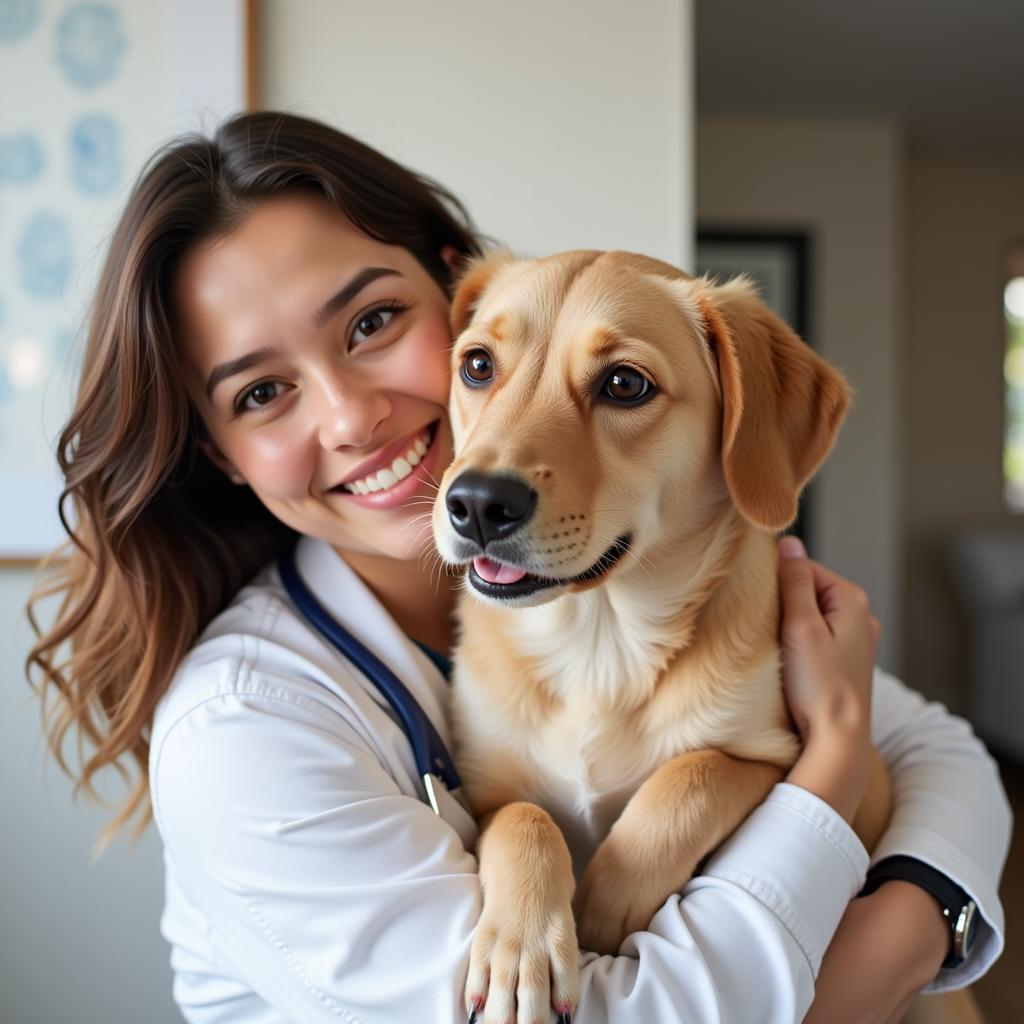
(863, 164)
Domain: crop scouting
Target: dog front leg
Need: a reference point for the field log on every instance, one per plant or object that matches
(524, 955)
(678, 816)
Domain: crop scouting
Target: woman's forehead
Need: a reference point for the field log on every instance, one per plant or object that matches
(286, 236)
(271, 273)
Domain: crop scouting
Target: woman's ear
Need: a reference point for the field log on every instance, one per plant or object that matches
(221, 461)
(453, 260)
(477, 275)
(782, 404)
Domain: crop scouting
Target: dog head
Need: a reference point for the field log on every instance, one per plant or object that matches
(605, 404)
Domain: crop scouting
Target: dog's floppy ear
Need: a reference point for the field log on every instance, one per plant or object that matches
(477, 275)
(782, 404)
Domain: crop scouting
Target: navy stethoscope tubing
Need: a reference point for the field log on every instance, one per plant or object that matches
(432, 757)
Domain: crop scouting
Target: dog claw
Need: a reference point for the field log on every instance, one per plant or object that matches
(565, 1018)
(472, 1017)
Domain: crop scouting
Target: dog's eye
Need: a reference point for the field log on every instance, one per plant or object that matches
(477, 367)
(624, 384)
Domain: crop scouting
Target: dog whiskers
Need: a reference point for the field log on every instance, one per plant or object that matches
(642, 563)
(432, 563)
(423, 520)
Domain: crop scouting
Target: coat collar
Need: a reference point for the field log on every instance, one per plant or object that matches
(349, 600)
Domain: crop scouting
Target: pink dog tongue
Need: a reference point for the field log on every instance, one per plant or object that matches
(494, 572)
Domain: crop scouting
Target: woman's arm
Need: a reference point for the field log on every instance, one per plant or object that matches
(950, 811)
(887, 948)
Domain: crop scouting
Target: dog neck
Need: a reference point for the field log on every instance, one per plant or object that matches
(609, 645)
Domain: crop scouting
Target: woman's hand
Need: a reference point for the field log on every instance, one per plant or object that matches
(828, 639)
(889, 945)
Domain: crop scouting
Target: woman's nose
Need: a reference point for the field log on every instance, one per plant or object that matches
(349, 413)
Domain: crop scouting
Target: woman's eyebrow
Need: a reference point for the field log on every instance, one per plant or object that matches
(345, 294)
(239, 365)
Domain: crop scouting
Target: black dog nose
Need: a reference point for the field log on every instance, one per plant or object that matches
(486, 507)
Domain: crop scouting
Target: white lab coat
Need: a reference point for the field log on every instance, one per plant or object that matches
(307, 879)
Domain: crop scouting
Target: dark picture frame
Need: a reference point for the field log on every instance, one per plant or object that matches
(778, 262)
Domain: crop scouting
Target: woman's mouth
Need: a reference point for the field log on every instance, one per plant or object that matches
(400, 478)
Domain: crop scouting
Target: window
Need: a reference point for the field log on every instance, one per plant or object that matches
(1013, 373)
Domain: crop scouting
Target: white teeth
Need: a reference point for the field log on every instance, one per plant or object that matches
(389, 476)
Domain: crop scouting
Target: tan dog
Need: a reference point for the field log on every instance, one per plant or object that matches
(628, 443)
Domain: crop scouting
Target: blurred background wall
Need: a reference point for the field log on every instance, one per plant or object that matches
(964, 219)
(892, 135)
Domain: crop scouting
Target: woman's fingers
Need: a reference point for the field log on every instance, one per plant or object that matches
(796, 582)
(802, 579)
(828, 639)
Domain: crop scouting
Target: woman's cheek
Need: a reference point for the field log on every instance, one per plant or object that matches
(276, 466)
(428, 375)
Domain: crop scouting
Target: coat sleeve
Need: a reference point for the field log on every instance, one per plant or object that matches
(949, 809)
(334, 896)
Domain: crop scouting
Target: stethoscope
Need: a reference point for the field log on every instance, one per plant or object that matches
(433, 762)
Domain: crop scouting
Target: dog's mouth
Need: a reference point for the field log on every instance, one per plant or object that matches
(500, 580)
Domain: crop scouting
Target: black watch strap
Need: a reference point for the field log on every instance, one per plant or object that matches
(957, 907)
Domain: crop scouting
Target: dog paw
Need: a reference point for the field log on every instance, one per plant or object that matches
(619, 894)
(523, 966)
(606, 919)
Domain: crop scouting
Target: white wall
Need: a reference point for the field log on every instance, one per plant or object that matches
(79, 940)
(560, 125)
(841, 181)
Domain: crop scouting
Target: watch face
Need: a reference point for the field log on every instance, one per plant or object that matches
(964, 930)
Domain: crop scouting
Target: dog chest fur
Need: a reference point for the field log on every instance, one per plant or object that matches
(574, 704)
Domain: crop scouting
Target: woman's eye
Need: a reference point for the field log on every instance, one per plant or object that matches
(259, 395)
(370, 323)
(477, 367)
(624, 384)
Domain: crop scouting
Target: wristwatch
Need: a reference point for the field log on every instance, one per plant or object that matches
(958, 909)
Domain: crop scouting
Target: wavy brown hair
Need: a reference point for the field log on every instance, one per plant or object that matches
(159, 540)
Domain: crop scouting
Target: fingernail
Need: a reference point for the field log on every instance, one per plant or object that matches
(792, 547)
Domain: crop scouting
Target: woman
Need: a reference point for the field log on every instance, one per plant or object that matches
(267, 360)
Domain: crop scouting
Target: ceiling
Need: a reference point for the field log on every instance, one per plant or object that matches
(943, 67)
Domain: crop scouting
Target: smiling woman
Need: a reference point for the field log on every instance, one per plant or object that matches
(245, 267)
(312, 395)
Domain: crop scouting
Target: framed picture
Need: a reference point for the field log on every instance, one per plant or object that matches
(91, 90)
(776, 261)
(779, 264)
